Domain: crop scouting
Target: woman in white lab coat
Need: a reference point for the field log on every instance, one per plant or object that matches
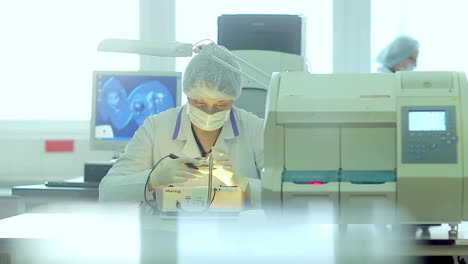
(208, 119)
(400, 55)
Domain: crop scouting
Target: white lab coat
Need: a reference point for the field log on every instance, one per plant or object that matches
(170, 132)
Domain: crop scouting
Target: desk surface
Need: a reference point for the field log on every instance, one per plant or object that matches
(127, 236)
(42, 191)
(70, 238)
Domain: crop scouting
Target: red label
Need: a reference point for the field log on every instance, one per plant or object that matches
(172, 191)
(59, 145)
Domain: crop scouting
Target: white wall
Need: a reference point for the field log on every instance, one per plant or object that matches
(157, 22)
(23, 156)
(351, 36)
(23, 159)
(22, 153)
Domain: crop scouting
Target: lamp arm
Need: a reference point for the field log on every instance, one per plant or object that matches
(211, 49)
(178, 49)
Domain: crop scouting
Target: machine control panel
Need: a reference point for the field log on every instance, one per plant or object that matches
(429, 134)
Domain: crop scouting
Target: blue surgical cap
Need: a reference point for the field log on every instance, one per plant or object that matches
(400, 49)
(207, 78)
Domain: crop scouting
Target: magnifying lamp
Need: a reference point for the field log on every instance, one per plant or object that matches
(178, 49)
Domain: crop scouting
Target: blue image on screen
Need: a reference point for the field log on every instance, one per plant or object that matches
(125, 101)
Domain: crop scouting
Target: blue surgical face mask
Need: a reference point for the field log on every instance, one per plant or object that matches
(206, 121)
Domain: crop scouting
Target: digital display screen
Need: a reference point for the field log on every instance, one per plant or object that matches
(124, 101)
(427, 121)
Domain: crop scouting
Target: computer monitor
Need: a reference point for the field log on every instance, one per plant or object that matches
(282, 33)
(123, 100)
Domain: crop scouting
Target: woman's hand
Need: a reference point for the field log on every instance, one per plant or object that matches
(174, 171)
(224, 170)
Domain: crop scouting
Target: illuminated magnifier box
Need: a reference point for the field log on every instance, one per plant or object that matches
(194, 199)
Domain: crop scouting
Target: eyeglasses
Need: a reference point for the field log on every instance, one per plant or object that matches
(413, 59)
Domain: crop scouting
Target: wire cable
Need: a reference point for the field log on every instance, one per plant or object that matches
(203, 40)
(178, 205)
(147, 180)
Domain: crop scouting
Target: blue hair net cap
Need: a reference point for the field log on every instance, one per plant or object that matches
(207, 78)
(400, 49)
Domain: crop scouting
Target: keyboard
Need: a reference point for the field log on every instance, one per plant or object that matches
(65, 184)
